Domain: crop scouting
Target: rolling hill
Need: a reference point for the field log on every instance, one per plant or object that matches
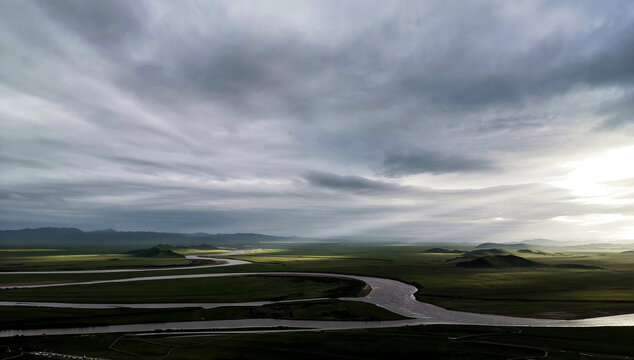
(156, 251)
(483, 252)
(442, 251)
(499, 261)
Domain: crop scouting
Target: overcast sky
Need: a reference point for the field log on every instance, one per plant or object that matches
(426, 120)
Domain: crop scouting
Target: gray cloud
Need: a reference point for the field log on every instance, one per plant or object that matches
(205, 116)
(417, 161)
(511, 123)
(102, 23)
(619, 113)
(345, 183)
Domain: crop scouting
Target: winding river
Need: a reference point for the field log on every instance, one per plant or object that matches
(392, 295)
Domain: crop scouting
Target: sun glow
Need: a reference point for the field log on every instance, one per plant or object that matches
(596, 179)
(626, 232)
(594, 219)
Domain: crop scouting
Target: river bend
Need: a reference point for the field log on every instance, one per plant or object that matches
(389, 294)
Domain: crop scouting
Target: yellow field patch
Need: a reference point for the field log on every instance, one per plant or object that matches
(291, 258)
(83, 257)
(199, 251)
(29, 250)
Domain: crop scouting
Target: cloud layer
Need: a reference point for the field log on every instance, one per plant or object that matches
(425, 120)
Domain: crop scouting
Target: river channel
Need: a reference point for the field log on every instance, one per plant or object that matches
(389, 294)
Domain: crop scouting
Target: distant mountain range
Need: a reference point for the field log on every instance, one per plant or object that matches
(524, 244)
(72, 237)
(551, 244)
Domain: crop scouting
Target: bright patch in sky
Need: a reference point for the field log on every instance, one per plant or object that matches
(626, 233)
(596, 179)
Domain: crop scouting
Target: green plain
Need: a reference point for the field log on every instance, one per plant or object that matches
(539, 292)
(17, 317)
(221, 289)
(420, 342)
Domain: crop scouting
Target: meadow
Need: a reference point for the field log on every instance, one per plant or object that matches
(224, 289)
(548, 292)
(600, 283)
(433, 342)
(77, 259)
(20, 317)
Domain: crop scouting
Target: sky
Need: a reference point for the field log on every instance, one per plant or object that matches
(400, 121)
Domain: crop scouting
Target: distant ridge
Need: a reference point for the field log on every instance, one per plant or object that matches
(553, 244)
(543, 242)
(513, 246)
(73, 237)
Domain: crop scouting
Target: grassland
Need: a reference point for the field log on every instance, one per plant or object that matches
(16, 317)
(538, 292)
(432, 342)
(545, 291)
(40, 260)
(222, 289)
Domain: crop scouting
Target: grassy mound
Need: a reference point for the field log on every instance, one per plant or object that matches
(485, 252)
(473, 255)
(156, 251)
(442, 251)
(498, 261)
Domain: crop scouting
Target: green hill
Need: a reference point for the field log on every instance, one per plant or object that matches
(484, 252)
(156, 251)
(498, 261)
(490, 245)
(442, 251)
(471, 255)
